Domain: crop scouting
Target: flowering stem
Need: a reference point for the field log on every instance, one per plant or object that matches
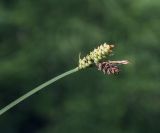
(33, 91)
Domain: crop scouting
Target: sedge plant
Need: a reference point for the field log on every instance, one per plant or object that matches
(97, 58)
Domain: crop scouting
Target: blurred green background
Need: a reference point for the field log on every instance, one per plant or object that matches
(41, 39)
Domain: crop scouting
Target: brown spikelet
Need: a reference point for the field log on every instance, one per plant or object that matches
(110, 67)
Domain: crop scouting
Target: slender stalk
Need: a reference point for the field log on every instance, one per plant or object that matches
(33, 91)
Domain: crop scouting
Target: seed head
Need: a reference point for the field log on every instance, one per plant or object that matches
(95, 56)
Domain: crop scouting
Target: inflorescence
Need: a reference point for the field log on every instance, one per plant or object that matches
(97, 57)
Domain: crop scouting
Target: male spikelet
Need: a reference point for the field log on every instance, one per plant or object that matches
(95, 56)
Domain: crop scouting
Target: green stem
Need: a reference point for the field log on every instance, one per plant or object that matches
(33, 91)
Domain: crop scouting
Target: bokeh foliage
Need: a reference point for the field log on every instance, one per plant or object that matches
(41, 39)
